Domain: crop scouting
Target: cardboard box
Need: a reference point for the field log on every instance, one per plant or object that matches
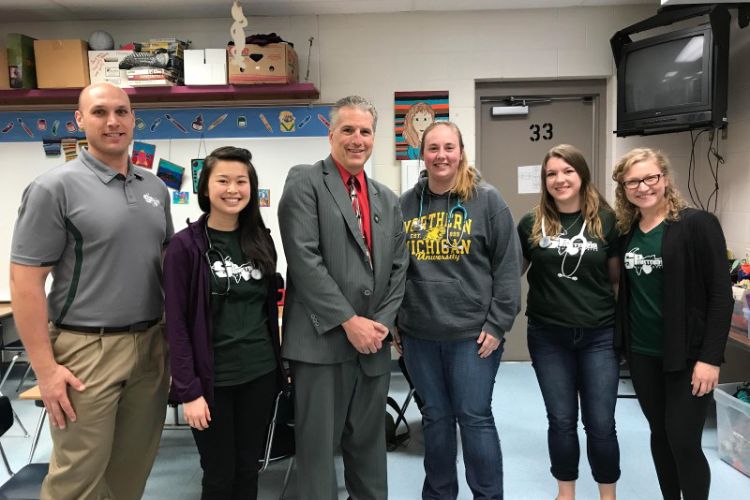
(733, 427)
(22, 74)
(4, 80)
(206, 67)
(272, 63)
(104, 66)
(61, 64)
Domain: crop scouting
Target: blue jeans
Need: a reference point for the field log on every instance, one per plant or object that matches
(572, 363)
(456, 386)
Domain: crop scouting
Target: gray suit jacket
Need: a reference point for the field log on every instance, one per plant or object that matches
(329, 279)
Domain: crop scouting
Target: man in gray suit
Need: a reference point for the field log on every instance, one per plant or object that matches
(346, 264)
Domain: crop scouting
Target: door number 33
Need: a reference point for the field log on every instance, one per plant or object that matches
(543, 131)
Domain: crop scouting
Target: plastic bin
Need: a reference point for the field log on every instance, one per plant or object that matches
(733, 427)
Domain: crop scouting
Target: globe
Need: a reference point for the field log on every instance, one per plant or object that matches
(101, 40)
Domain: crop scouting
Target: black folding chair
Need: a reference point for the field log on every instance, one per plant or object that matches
(25, 484)
(280, 438)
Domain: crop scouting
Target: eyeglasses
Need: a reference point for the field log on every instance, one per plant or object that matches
(650, 180)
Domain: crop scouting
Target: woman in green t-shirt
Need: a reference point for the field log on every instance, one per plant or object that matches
(673, 315)
(220, 287)
(568, 244)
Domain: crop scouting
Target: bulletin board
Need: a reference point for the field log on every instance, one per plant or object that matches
(274, 153)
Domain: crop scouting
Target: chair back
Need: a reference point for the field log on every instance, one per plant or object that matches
(280, 436)
(6, 414)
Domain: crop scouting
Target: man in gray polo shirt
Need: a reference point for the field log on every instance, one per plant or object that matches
(95, 342)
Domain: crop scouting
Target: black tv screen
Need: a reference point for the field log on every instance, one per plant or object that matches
(673, 82)
(666, 75)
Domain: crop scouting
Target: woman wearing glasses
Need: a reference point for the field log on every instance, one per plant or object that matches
(673, 315)
(569, 246)
(462, 295)
(222, 325)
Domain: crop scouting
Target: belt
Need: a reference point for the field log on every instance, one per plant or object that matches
(134, 328)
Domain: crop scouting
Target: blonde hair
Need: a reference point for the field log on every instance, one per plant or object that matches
(627, 213)
(591, 200)
(410, 134)
(467, 177)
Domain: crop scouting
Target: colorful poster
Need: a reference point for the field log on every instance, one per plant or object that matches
(196, 165)
(180, 197)
(414, 112)
(264, 197)
(170, 173)
(143, 154)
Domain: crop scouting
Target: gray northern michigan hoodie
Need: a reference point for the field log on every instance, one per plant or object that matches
(464, 273)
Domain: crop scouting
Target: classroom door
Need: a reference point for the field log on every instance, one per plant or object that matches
(555, 116)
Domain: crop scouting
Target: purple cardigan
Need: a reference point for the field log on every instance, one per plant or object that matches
(187, 289)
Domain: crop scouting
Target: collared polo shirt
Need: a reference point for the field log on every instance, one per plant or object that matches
(103, 235)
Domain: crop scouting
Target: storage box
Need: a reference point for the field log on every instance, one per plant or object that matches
(733, 427)
(4, 80)
(272, 63)
(22, 74)
(104, 66)
(61, 63)
(739, 319)
(206, 67)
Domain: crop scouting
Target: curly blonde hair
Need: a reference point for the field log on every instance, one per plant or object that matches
(591, 200)
(627, 213)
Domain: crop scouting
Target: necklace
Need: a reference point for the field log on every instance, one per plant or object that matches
(546, 241)
(566, 229)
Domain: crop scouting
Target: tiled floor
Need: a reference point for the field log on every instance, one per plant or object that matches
(520, 417)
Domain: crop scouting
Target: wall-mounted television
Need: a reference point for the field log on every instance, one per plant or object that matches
(673, 82)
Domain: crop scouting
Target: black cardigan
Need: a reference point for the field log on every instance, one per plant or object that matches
(697, 297)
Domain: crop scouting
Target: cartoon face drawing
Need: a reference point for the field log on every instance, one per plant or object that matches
(286, 121)
(417, 119)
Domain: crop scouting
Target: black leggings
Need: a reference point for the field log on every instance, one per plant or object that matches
(676, 419)
(231, 446)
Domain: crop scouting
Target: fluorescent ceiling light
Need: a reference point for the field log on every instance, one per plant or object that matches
(692, 51)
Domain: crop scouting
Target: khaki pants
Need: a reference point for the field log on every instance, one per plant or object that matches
(107, 453)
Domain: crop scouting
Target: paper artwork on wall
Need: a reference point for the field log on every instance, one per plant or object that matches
(69, 147)
(170, 173)
(414, 112)
(264, 197)
(196, 165)
(143, 154)
(51, 147)
(180, 197)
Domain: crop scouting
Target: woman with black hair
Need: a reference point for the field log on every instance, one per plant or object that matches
(220, 286)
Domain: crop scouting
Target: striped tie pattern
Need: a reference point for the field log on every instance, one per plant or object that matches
(353, 184)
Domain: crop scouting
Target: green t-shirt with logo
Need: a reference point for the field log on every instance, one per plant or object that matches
(643, 264)
(570, 289)
(242, 347)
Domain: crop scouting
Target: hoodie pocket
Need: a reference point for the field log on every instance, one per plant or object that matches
(442, 304)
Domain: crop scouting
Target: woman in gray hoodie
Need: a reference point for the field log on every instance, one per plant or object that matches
(462, 295)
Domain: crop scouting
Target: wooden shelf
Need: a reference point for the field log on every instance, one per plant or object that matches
(220, 94)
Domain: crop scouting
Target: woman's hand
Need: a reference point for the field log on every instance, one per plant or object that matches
(705, 378)
(197, 414)
(487, 344)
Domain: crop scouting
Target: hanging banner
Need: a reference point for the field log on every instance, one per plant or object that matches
(188, 123)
